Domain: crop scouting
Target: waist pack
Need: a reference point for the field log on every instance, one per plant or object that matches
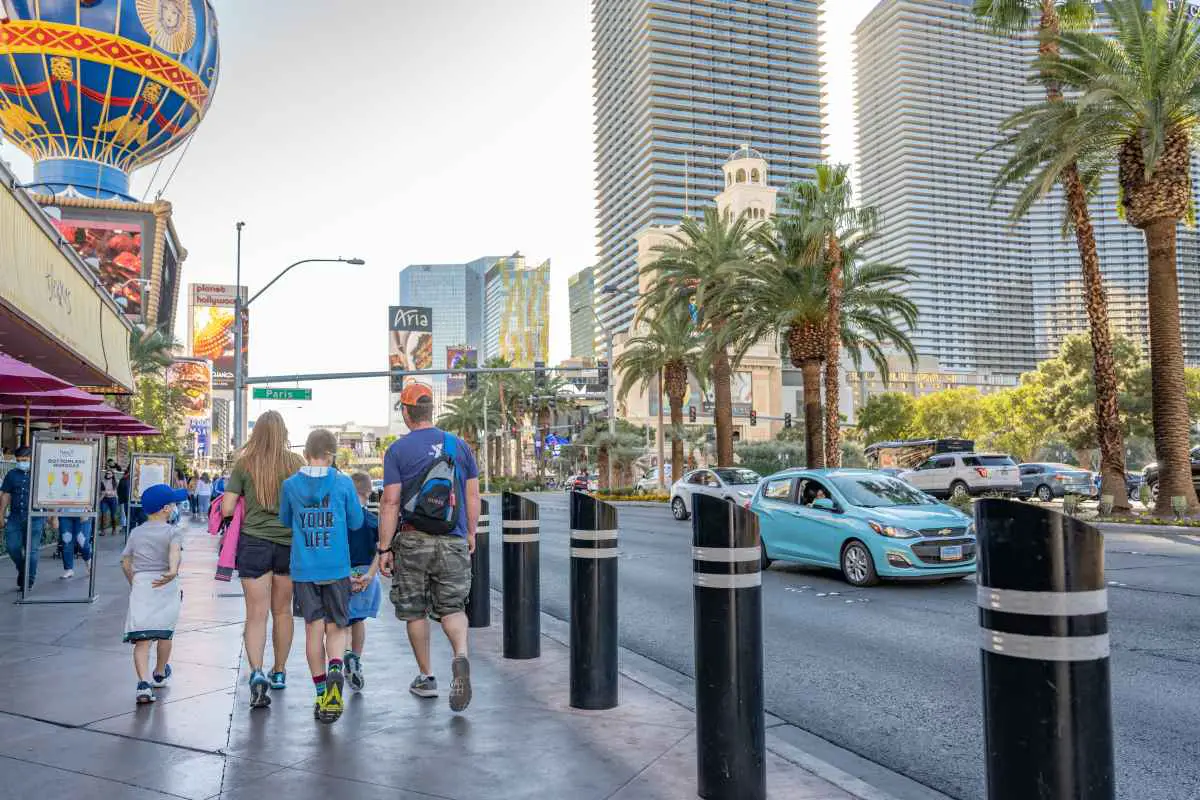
(433, 505)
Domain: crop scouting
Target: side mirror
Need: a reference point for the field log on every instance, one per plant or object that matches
(825, 504)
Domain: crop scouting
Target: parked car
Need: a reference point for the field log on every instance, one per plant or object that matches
(1150, 473)
(864, 523)
(730, 483)
(1048, 481)
(962, 474)
(648, 483)
(582, 483)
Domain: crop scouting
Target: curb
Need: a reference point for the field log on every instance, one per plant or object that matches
(1134, 527)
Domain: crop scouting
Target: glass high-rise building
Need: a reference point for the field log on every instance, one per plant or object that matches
(679, 85)
(581, 288)
(517, 311)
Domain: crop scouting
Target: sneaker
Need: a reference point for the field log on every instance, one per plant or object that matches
(354, 672)
(424, 686)
(144, 693)
(460, 683)
(161, 678)
(279, 680)
(259, 698)
(331, 705)
(67, 575)
(317, 708)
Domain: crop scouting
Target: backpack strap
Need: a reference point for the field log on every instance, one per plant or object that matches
(449, 445)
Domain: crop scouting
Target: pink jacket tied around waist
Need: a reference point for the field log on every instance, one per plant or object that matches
(227, 561)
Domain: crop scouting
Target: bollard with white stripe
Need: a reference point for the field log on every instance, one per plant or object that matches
(522, 585)
(730, 727)
(1043, 610)
(593, 603)
(479, 601)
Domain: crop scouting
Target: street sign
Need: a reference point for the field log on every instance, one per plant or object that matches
(267, 393)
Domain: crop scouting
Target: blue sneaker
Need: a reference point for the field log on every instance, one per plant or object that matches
(161, 678)
(259, 698)
(279, 680)
(144, 693)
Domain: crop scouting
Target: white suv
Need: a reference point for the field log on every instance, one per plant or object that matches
(961, 474)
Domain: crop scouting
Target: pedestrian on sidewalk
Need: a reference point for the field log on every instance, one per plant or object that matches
(110, 517)
(123, 500)
(264, 550)
(193, 502)
(75, 532)
(366, 590)
(428, 517)
(203, 494)
(14, 499)
(320, 506)
(150, 561)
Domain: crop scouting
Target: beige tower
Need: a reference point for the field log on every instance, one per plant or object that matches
(746, 188)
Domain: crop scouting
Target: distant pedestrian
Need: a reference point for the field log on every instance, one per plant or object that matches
(428, 514)
(110, 515)
(14, 499)
(193, 500)
(264, 550)
(203, 494)
(151, 564)
(320, 506)
(366, 590)
(75, 532)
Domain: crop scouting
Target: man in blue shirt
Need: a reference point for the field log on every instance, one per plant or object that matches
(14, 499)
(431, 572)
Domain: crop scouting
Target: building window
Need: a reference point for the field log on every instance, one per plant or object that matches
(741, 176)
(754, 176)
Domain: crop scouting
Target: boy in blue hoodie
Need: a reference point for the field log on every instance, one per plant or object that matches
(320, 505)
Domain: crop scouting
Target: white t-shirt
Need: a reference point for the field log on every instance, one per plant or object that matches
(150, 546)
(203, 487)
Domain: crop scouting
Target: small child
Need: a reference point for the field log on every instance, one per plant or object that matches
(151, 564)
(319, 504)
(365, 586)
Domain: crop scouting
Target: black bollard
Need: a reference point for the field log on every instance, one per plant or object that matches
(593, 603)
(1043, 608)
(522, 586)
(479, 601)
(730, 728)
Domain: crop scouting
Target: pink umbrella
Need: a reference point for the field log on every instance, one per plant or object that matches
(59, 397)
(17, 377)
(62, 412)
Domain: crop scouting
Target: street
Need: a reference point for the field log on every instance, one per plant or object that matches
(892, 672)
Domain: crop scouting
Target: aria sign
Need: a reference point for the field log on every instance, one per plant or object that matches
(411, 318)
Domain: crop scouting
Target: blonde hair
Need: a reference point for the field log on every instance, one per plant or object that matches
(267, 459)
(362, 483)
(320, 443)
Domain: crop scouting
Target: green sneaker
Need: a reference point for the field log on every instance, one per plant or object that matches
(331, 703)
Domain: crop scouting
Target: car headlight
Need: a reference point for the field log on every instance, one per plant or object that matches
(893, 531)
(971, 529)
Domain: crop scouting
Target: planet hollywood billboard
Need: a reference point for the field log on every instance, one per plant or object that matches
(210, 320)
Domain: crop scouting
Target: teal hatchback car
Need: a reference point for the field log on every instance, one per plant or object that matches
(867, 524)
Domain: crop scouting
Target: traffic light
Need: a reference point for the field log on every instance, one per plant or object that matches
(539, 375)
(472, 381)
(753, 418)
(602, 369)
(787, 419)
(691, 413)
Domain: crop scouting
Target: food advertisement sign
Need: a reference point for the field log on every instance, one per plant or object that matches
(193, 378)
(65, 474)
(149, 470)
(212, 337)
(457, 358)
(114, 251)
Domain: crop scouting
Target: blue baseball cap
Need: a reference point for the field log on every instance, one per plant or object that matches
(159, 495)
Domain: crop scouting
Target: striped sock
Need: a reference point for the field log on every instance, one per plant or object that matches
(319, 683)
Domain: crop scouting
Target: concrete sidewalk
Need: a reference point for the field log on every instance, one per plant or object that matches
(69, 726)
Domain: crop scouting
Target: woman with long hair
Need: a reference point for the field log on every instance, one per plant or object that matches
(264, 550)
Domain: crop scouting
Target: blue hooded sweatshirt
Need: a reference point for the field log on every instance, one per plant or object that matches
(320, 505)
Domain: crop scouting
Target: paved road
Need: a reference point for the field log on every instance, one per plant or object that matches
(892, 672)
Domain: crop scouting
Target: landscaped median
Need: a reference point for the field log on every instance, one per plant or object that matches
(631, 496)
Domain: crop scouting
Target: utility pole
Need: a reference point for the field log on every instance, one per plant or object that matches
(239, 367)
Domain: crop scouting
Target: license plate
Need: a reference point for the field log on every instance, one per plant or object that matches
(952, 553)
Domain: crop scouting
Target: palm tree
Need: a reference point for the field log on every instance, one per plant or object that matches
(672, 348)
(699, 271)
(790, 291)
(151, 352)
(1138, 105)
(1013, 17)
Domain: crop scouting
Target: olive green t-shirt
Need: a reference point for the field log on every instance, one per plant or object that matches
(260, 522)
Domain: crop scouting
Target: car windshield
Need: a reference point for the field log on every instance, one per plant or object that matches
(737, 477)
(876, 491)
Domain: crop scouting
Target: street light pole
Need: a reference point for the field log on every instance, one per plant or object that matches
(612, 406)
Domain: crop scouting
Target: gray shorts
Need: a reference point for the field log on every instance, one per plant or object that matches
(323, 601)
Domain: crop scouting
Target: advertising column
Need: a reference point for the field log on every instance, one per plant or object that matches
(193, 377)
(410, 347)
(211, 338)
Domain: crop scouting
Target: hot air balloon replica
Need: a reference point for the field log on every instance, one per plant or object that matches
(92, 90)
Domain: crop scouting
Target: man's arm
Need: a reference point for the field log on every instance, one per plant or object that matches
(389, 519)
(472, 512)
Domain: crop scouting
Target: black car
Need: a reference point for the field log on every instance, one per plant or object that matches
(1150, 473)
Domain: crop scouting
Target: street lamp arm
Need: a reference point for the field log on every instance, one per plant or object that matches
(288, 269)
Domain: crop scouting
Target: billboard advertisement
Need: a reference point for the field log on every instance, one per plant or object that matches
(410, 345)
(457, 357)
(741, 385)
(212, 335)
(114, 251)
(193, 377)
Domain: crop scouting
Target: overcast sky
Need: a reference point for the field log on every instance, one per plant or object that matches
(406, 132)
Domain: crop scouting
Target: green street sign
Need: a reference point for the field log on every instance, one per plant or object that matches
(267, 393)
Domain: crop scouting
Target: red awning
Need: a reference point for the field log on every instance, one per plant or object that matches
(40, 412)
(17, 377)
(60, 397)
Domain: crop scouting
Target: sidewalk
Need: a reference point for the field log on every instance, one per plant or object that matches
(69, 727)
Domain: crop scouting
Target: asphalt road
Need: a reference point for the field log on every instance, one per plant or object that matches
(892, 672)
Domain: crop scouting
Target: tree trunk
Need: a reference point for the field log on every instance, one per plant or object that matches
(833, 358)
(1169, 391)
(814, 450)
(723, 408)
(602, 466)
(677, 465)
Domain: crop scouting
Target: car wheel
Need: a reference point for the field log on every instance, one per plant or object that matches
(1044, 493)
(958, 489)
(765, 561)
(1154, 491)
(678, 509)
(858, 568)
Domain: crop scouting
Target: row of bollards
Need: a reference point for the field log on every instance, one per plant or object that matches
(1043, 614)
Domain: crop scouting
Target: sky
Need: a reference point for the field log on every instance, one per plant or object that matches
(408, 132)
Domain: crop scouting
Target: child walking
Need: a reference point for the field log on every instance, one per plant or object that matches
(319, 504)
(365, 587)
(151, 564)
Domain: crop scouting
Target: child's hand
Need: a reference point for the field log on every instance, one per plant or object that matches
(164, 579)
(356, 584)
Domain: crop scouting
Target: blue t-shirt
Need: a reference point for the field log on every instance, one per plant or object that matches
(16, 486)
(410, 456)
(320, 509)
(364, 541)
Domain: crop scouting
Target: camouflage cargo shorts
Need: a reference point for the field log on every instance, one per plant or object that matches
(431, 576)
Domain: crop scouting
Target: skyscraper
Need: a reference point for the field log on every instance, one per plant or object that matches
(580, 290)
(517, 311)
(680, 84)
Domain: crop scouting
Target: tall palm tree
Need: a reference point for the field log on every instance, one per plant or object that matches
(700, 271)
(1013, 18)
(671, 347)
(824, 216)
(789, 291)
(1137, 107)
(151, 352)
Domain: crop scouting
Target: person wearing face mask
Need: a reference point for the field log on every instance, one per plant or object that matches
(14, 500)
(110, 515)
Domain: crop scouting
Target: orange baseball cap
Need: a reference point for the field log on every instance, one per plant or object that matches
(415, 394)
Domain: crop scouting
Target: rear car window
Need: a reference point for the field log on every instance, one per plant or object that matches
(970, 461)
(997, 461)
